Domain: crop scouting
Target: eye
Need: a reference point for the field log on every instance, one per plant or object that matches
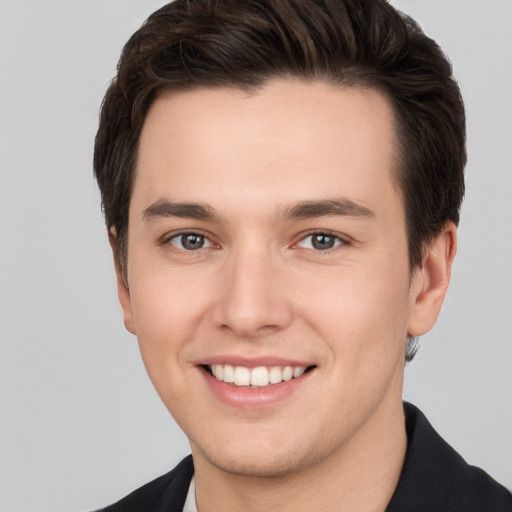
(189, 241)
(320, 241)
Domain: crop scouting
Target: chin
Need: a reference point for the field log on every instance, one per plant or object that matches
(258, 467)
(258, 461)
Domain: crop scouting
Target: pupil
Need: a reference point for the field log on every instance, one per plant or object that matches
(192, 241)
(323, 242)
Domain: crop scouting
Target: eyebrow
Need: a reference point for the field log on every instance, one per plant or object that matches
(327, 207)
(164, 208)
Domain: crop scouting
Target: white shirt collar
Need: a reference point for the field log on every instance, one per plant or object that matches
(190, 502)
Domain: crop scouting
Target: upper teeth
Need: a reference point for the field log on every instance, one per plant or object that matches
(260, 376)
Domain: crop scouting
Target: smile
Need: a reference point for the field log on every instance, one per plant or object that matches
(258, 377)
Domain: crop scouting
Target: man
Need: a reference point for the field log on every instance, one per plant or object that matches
(281, 181)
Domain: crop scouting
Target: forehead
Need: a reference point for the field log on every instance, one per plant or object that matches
(280, 143)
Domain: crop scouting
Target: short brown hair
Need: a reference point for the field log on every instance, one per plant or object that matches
(245, 43)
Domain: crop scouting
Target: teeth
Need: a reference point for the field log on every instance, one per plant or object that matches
(242, 376)
(218, 371)
(298, 371)
(257, 377)
(275, 376)
(229, 374)
(287, 373)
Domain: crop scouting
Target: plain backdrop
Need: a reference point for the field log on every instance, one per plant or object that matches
(80, 424)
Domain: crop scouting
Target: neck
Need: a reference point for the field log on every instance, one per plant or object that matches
(360, 477)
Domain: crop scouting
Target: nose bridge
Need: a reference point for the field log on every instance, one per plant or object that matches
(252, 301)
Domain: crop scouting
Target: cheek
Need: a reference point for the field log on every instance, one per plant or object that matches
(362, 315)
(169, 302)
(168, 310)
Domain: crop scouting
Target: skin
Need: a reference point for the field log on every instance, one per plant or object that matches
(258, 287)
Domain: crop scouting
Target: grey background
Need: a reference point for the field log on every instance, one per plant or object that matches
(80, 424)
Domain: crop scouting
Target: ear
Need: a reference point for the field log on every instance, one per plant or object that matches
(123, 291)
(430, 281)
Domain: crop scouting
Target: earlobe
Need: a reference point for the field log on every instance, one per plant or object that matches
(123, 291)
(431, 280)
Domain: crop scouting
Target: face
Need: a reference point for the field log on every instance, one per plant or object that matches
(267, 246)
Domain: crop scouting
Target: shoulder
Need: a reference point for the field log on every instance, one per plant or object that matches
(436, 477)
(166, 493)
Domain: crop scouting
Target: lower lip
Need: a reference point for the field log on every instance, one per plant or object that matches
(253, 398)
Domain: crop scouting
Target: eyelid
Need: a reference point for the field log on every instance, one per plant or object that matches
(341, 239)
(166, 239)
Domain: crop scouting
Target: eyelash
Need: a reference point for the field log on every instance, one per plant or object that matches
(338, 241)
(168, 240)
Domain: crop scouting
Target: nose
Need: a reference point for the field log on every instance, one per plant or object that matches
(253, 300)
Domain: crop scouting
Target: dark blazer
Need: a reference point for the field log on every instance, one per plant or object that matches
(434, 479)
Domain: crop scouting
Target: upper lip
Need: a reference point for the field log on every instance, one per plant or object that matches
(253, 362)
